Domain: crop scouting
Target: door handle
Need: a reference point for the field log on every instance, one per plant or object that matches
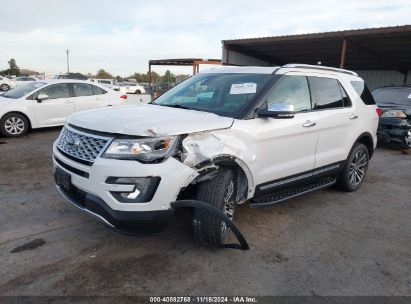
(309, 124)
(353, 116)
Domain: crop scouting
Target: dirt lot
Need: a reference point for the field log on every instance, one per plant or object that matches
(326, 243)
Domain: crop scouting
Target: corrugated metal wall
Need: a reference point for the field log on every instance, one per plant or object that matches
(378, 78)
(373, 78)
(242, 59)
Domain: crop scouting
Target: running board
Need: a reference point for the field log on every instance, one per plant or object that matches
(286, 194)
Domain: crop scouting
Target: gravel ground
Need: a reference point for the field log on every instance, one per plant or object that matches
(325, 243)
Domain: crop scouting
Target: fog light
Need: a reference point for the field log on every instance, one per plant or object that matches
(144, 188)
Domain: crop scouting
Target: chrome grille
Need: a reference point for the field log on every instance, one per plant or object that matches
(84, 146)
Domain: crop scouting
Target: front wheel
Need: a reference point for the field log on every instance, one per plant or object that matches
(406, 141)
(219, 192)
(351, 178)
(14, 125)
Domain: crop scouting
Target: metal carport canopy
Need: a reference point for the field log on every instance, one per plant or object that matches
(385, 48)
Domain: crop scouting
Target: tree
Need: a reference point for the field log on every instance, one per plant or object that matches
(13, 68)
(102, 74)
(168, 77)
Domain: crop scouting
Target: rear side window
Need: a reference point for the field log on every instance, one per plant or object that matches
(83, 89)
(396, 96)
(346, 99)
(98, 91)
(326, 93)
(364, 92)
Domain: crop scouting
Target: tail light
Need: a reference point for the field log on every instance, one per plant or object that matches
(379, 112)
(123, 96)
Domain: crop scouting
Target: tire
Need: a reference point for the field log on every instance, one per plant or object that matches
(351, 178)
(219, 192)
(138, 92)
(14, 125)
(406, 141)
(4, 87)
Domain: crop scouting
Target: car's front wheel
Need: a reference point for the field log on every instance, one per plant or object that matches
(219, 192)
(351, 178)
(4, 87)
(406, 141)
(14, 125)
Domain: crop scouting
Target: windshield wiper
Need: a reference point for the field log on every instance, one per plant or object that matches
(177, 106)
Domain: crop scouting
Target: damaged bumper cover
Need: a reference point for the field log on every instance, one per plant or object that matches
(392, 129)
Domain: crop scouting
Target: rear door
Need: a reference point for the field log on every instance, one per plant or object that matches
(338, 120)
(87, 96)
(55, 109)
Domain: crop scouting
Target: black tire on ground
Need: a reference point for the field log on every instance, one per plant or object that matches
(219, 192)
(4, 87)
(138, 92)
(351, 178)
(406, 141)
(13, 125)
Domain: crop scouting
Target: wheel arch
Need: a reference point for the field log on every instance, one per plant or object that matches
(21, 113)
(367, 140)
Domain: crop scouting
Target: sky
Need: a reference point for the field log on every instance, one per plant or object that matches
(121, 36)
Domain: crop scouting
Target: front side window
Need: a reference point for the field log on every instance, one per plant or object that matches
(291, 90)
(225, 94)
(56, 91)
(326, 93)
(81, 89)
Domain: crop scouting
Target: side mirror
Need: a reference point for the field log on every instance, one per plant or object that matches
(277, 110)
(42, 97)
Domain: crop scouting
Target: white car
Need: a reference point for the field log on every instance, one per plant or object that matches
(5, 84)
(23, 80)
(223, 137)
(109, 83)
(48, 103)
(129, 88)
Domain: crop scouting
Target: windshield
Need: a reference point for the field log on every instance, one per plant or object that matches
(222, 94)
(396, 96)
(23, 89)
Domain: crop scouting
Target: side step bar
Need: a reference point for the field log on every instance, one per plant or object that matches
(286, 194)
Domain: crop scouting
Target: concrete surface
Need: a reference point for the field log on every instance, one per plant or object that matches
(326, 243)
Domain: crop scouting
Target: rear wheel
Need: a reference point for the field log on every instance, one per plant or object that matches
(219, 192)
(351, 178)
(138, 92)
(14, 125)
(4, 87)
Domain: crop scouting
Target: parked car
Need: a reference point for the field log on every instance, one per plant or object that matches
(129, 88)
(77, 76)
(23, 80)
(223, 137)
(395, 122)
(40, 104)
(5, 84)
(109, 83)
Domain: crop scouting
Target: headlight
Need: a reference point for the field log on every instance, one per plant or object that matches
(145, 149)
(398, 114)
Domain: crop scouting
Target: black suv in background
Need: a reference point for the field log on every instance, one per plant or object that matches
(395, 122)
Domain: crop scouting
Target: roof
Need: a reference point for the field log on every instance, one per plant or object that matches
(181, 61)
(245, 69)
(373, 48)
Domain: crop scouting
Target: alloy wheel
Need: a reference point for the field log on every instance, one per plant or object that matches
(407, 139)
(229, 204)
(14, 125)
(358, 167)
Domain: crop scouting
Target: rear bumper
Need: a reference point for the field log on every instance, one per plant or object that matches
(392, 129)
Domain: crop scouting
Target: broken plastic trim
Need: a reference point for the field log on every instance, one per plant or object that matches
(243, 245)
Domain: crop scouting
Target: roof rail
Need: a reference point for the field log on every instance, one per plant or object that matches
(318, 67)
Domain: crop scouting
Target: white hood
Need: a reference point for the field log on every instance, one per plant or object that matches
(5, 101)
(148, 120)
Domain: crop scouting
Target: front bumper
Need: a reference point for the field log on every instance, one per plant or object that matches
(90, 191)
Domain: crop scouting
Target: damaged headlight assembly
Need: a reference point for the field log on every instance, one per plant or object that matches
(150, 149)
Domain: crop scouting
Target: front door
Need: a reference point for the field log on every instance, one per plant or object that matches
(56, 108)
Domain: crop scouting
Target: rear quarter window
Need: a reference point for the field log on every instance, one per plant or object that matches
(362, 90)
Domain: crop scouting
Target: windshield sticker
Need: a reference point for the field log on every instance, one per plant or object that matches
(243, 88)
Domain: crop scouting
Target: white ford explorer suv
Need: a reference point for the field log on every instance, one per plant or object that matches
(222, 137)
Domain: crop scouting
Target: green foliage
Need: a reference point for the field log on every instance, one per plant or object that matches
(12, 70)
(102, 74)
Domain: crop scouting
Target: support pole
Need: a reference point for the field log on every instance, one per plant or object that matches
(405, 76)
(68, 65)
(343, 52)
(149, 76)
